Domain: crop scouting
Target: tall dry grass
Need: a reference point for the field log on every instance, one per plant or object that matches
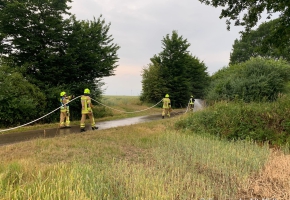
(272, 182)
(145, 161)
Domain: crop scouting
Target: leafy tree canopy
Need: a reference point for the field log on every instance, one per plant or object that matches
(54, 52)
(252, 11)
(174, 71)
(90, 54)
(50, 50)
(259, 43)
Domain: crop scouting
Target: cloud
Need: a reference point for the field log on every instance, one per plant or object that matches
(138, 27)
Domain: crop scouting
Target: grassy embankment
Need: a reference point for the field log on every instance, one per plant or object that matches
(144, 161)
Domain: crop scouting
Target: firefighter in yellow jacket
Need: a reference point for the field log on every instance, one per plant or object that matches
(87, 110)
(64, 110)
(166, 106)
(191, 103)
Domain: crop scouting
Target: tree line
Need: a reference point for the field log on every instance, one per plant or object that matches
(44, 49)
(47, 50)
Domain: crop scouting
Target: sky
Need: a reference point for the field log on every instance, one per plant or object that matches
(139, 26)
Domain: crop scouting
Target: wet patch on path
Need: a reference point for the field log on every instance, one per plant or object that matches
(11, 138)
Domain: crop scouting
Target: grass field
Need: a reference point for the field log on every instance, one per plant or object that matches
(117, 107)
(143, 161)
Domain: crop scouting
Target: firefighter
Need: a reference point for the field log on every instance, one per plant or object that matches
(166, 106)
(87, 110)
(64, 110)
(191, 103)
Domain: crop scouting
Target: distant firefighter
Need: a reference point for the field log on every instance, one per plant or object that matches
(191, 103)
(166, 106)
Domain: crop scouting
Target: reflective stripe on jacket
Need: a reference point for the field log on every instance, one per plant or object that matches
(190, 101)
(166, 102)
(62, 104)
(86, 104)
(64, 101)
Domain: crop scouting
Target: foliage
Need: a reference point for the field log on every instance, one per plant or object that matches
(175, 72)
(258, 43)
(152, 88)
(197, 75)
(252, 11)
(53, 52)
(33, 37)
(20, 101)
(262, 122)
(257, 79)
(90, 55)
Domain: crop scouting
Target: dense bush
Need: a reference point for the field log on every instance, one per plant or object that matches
(268, 121)
(257, 79)
(20, 101)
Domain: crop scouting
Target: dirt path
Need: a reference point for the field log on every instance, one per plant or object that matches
(16, 137)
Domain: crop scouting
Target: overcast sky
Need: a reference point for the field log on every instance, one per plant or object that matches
(138, 27)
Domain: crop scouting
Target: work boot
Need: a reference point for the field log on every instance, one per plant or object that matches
(83, 129)
(162, 117)
(94, 127)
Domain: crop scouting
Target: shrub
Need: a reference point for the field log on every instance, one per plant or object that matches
(257, 79)
(20, 101)
(264, 122)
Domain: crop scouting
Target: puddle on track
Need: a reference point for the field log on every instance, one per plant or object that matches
(11, 138)
(16, 137)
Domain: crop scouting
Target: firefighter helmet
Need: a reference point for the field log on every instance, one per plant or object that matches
(62, 94)
(87, 91)
(167, 95)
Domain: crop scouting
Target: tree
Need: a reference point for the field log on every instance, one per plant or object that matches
(173, 71)
(252, 10)
(54, 52)
(152, 88)
(256, 79)
(90, 54)
(20, 101)
(258, 43)
(197, 75)
(33, 37)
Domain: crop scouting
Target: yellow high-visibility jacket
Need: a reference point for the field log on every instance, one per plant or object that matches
(64, 104)
(86, 104)
(166, 102)
(191, 101)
